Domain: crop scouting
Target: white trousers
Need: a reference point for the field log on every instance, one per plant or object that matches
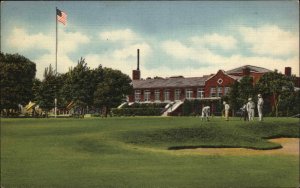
(251, 114)
(204, 115)
(260, 114)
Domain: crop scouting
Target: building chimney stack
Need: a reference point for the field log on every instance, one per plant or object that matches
(136, 74)
(288, 71)
(138, 59)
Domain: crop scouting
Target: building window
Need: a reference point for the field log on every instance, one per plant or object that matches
(157, 95)
(167, 95)
(200, 93)
(147, 95)
(137, 95)
(188, 93)
(227, 89)
(212, 92)
(177, 94)
(220, 91)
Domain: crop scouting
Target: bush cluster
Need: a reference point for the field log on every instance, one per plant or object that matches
(194, 107)
(145, 105)
(137, 111)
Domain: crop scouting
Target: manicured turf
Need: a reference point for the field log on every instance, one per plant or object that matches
(116, 152)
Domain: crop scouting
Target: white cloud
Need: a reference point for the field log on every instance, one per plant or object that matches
(271, 40)
(131, 51)
(124, 59)
(215, 40)
(63, 64)
(22, 41)
(178, 50)
(125, 35)
(182, 52)
(267, 46)
(206, 58)
(69, 42)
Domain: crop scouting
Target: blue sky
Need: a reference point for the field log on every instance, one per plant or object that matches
(189, 38)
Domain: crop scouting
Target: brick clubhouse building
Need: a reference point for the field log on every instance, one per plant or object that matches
(177, 89)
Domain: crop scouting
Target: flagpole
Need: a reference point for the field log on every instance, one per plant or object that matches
(55, 100)
(56, 42)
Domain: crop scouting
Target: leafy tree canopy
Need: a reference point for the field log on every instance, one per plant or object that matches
(276, 85)
(17, 74)
(113, 89)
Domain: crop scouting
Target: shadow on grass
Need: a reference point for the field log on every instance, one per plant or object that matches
(222, 146)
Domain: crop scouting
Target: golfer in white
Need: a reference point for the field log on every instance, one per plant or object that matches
(250, 109)
(260, 103)
(205, 113)
(226, 108)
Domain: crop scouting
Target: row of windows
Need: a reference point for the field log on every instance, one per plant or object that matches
(218, 91)
(214, 92)
(166, 94)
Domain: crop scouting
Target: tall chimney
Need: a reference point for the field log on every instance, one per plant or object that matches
(136, 74)
(138, 59)
(288, 71)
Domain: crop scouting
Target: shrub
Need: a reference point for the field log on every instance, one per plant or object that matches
(137, 111)
(145, 105)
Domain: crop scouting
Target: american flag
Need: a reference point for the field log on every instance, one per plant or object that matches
(61, 16)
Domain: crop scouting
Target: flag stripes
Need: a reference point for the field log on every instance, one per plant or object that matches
(61, 16)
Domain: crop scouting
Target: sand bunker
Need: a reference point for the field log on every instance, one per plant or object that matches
(290, 147)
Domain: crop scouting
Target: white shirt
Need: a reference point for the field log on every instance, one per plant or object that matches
(260, 102)
(250, 105)
(206, 109)
(227, 106)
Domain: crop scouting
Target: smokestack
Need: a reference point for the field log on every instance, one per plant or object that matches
(138, 59)
(136, 74)
(288, 71)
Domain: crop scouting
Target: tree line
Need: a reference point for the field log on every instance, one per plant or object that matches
(106, 88)
(85, 87)
(281, 98)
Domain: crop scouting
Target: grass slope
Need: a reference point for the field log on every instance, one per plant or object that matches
(216, 135)
(102, 153)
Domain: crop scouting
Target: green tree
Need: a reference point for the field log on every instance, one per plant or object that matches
(234, 97)
(36, 89)
(112, 90)
(277, 86)
(239, 93)
(17, 74)
(47, 90)
(80, 85)
(246, 89)
(285, 106)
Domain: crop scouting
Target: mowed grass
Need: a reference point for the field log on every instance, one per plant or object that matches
(135, 152)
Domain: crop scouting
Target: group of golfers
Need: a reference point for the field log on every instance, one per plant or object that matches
(247, 110)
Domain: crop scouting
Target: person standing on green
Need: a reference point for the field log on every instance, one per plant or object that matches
(226, 108)
(250, 109)
(260, 103)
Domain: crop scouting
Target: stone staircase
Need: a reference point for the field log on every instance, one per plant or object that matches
(171, 107)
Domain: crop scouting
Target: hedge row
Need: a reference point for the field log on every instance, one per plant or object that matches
(194, 107)
(137, 111)
(145, 105)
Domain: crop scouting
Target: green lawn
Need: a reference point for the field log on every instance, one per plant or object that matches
(124, 152)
